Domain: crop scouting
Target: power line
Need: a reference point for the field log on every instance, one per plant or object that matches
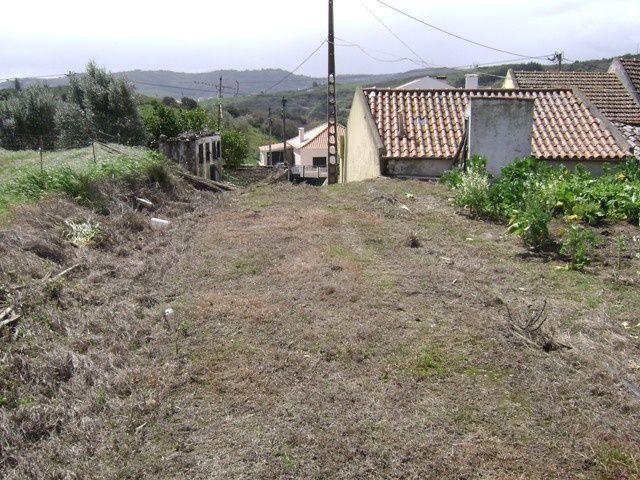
(297, 68)
(468, 40)
(424, 62)
(398, 59)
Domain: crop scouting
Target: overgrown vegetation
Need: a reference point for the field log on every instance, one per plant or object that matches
(95, 105)
(529, 194)
(81, 183)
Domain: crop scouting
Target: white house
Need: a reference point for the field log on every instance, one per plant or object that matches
(309, 148)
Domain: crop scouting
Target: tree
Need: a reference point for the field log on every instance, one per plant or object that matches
(189, 103)
(160, 120)
(16, 85)
(235, 147)
(28, 118)
(169, 101)
(109, 105)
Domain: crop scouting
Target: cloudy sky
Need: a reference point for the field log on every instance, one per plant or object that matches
(44, 37)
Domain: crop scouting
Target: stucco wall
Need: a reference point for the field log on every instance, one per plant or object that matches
(363, 145)
(305, 156)
(416, 167)
(500, 130)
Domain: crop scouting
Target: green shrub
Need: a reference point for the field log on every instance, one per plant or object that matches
(235, 147)
(531, 221)
(577, 246)
(451, 178)
(472, 190)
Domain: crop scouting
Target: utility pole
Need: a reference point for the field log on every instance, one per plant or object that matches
(557, 57)
(284, 129)
(220, 106)
(332, 114)
(270, 155)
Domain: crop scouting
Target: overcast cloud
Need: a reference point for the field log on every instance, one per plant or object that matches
(46, 37)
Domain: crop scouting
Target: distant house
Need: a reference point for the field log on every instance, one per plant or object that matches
(422, 133)
(613, 93)
(307, 149)
(425, 83)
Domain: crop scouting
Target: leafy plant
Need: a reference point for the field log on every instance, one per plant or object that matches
(577, 245)
(472, 190)
(531, 221)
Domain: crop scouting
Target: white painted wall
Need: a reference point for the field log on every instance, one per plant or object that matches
(363, 145)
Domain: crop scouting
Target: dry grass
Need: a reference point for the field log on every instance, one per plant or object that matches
(317, 333)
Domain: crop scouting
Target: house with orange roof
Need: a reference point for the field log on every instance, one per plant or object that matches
(613, 93)
(423, 133)
(308, 148)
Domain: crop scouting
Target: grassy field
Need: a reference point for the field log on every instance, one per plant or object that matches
(345, 332)
(12, 163)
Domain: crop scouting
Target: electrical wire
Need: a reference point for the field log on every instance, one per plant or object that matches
(459, 37)
(297, 68)
(397, 37)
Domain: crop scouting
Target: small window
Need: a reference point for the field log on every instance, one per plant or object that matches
(320, 162)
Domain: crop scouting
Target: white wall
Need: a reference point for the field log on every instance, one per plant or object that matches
(363, 145)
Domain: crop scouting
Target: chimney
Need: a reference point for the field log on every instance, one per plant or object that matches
(301, 134)
(471, 81)
(500, 129)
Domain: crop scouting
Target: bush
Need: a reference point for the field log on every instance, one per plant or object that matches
(235, 147)
(472, 190)
(532, 220)
(577, 245)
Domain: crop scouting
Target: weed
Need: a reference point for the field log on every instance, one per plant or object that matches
(430, 362)
(287, 458)
(184, 328)
(577, 245)
(82, 234)
(617, 463)
(54, 288)
(531, 222)
(473, 193)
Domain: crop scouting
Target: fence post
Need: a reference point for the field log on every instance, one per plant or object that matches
(41, 160)
(93, 147)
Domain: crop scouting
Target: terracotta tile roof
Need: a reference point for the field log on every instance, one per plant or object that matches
(315, 138)
(322, 140)
(604, 90)
(632, 67)
(433, 123)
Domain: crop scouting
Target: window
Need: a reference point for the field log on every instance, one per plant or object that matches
(320, 162)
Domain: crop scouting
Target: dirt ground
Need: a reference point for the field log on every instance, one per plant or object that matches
(357, 331)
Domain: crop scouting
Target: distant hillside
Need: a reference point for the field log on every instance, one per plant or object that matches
(161, 83)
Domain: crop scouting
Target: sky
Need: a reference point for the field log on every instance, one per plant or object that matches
(47, 37)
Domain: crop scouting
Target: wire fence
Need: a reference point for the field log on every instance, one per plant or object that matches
(43, 152)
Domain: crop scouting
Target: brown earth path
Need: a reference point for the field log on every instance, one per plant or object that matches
(314, 342)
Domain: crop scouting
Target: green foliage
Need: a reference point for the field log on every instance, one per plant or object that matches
(188, 103)
(108, 103)
(451, 178)
(82, 184)
(235, 147)
(577, 246)
(28, 116)
(160, 119)
(472, 189)
(532, 220)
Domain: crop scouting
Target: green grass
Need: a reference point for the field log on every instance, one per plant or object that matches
(22, 182)
(13, 163)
